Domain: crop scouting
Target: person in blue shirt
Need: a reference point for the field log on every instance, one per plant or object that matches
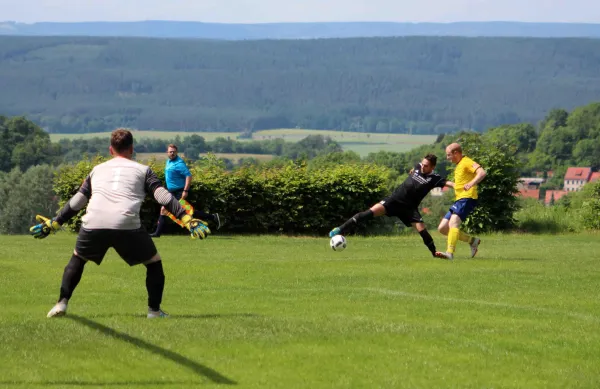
(178, 179)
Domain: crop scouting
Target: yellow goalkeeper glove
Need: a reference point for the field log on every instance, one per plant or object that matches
(198, 228)
(45, 228)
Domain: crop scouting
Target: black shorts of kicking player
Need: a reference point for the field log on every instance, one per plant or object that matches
(406, 213)
(133, 246)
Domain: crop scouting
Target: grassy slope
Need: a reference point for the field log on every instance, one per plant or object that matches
(282, 312)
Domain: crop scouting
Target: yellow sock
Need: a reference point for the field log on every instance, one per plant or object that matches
(452, 239)
(464, 237)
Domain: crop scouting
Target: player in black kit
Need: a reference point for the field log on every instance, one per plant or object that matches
(404, 201)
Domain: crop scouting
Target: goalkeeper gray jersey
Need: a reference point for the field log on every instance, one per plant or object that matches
(116, 190)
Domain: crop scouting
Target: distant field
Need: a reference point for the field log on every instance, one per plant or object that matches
(236, 157)
(360, 142)
(209, 136)
(232, 156)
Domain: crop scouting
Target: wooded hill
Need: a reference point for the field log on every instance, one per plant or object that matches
(418, 84)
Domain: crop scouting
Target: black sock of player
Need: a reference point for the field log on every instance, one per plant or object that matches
(160, 226)
(204, 216)
(428, 240)
(359, 217)
(155, 284)
(71, 277)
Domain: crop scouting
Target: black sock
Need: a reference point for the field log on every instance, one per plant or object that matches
(354, 220)
(71, 277)
(160, 226)
(155, 284)
(428, 240)
(204, 216)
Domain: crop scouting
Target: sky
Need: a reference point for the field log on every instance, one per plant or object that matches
(268, 11)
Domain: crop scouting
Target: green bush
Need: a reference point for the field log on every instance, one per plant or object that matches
(535, 217)
(288, 199)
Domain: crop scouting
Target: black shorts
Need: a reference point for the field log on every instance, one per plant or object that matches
(177, 193)
(134, 246)
(406, 213)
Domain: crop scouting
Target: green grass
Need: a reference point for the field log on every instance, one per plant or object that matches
(277, 312)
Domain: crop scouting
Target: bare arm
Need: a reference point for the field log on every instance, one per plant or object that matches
(479, 176)
(449, 184)
(186, 188)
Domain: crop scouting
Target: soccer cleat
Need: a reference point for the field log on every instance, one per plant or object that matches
(217, 220)
(334, 232)
(156, 314)
(474, 246)
(439, 254)
(58, 310)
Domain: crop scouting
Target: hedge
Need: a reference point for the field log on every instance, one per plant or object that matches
(289, 199)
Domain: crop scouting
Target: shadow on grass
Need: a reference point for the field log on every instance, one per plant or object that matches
(92, 383)
(196, 367)
(176, 316)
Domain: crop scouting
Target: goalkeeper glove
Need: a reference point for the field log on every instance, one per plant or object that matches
(45, 228)
(198, 228)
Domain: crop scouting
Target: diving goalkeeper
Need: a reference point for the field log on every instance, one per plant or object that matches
(114, 192)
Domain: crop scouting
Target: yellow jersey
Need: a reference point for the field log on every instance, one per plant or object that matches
(463, 174)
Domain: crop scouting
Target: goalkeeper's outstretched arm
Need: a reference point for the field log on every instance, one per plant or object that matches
(75, 203)
(162, 196)
(197, 228)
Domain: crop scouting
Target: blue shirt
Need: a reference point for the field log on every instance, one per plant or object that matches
(175, 173)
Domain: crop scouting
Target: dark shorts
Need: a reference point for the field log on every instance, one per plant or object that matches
(462, 208)
(177, 193)
(134, 246)
(406, 213)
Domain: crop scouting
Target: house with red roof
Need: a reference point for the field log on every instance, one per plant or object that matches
(576, 178)
(553, 196)
(529, 193)
(595, 177)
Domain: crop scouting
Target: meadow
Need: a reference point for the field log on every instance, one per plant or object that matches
(360, 142)
(288, 312)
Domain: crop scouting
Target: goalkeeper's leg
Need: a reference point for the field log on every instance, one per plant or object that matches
(155, 285)
(71, 277)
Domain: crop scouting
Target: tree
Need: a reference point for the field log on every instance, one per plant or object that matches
(27, 194)
(522, 136)
(24, 144)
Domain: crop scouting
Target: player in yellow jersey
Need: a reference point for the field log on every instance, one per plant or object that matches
(467, 175)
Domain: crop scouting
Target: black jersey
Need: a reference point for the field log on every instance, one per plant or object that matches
(414, 189)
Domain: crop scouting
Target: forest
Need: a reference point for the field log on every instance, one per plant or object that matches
(419, 85)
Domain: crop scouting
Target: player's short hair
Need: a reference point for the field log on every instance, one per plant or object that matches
(172, 146)
(121, 140)
(431, 158)
(455, 147)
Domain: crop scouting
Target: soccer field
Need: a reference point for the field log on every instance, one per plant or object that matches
(277, 312)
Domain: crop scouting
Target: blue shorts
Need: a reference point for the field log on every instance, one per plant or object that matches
(462, 208)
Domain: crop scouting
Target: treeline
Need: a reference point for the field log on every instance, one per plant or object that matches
(193, 145)
(24, 144)
(399, 85)
(560, 140)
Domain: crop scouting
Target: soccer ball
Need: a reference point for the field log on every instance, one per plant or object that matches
(338, 243)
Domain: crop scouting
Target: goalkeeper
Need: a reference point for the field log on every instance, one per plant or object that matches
(114, 192)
